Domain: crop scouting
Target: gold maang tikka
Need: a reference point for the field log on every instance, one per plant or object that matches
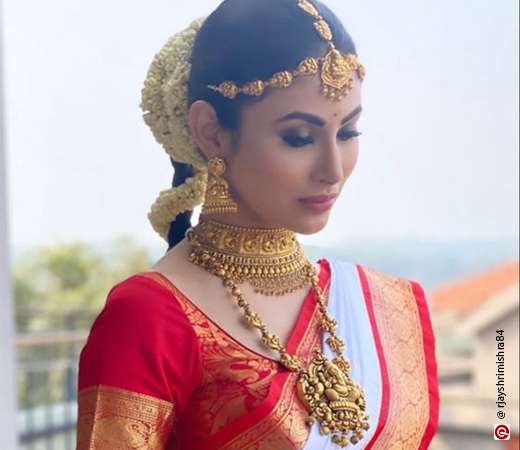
(335, 69)
(218, 200)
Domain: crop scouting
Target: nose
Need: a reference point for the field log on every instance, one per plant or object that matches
(331, 164)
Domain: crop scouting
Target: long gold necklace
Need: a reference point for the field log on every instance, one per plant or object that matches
(324, 387)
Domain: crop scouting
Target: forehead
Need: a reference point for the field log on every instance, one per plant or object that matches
(305, 95)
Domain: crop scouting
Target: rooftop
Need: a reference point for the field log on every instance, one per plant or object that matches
(469, 293)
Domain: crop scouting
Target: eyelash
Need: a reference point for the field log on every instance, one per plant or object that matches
(298, 141)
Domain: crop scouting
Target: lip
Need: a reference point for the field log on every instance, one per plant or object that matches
(319, 199)
(319, 204)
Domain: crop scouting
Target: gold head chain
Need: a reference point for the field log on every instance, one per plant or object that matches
(336, 70)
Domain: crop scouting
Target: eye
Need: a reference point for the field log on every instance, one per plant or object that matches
(298, 141)
(346, 135)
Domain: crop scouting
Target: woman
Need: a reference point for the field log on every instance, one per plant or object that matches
(234, 340)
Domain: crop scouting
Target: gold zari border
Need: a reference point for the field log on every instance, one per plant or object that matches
(399, 324)
(116, 419)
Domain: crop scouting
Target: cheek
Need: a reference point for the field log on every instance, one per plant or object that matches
(261, 158)
(350, 160)
(257, 167)
(269, 172)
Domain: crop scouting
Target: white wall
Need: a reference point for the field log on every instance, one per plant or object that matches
(7, 358)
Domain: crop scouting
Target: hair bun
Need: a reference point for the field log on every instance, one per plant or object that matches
(164, 98)
(164, 102)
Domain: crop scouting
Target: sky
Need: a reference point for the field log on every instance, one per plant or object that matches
(439, 151)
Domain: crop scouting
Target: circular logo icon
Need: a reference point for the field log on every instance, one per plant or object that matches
(501, 432)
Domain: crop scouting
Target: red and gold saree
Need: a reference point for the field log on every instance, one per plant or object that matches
(157, 373)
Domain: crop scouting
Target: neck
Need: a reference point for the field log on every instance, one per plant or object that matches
(237, 220)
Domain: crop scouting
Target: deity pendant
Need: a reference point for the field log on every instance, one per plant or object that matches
(333, 399)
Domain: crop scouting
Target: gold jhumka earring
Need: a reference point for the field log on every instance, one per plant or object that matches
(218, 199)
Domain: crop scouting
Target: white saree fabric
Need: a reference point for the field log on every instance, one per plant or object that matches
(347, 305)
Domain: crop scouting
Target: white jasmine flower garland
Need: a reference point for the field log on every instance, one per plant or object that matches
(165, 106)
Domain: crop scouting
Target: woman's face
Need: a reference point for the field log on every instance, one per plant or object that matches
(294, 144)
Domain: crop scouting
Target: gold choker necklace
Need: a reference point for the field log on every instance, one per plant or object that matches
(270, 259)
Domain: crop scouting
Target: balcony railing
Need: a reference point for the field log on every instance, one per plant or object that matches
(47, 389)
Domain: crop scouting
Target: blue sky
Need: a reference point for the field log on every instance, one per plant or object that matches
(439, 152)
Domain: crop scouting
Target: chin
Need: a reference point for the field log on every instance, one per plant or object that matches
(308, 227)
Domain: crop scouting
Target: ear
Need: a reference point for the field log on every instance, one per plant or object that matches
(210, 137)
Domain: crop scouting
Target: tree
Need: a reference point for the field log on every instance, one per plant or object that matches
(58, 284)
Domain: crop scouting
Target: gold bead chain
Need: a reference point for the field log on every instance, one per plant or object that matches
(324, 388)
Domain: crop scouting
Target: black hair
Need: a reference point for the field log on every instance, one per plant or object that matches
(183, 221)
(246, 40)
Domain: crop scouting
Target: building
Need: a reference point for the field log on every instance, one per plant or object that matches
(467, 316)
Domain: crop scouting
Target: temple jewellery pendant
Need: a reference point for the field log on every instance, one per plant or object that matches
(333, 400)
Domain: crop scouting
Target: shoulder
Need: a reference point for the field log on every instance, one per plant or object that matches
(395, 299)
(140, 315)
(141, 341)
(140, 303)
(384, 277)
(373, 273)
(137, 288)
(392, 284)
(375, 281)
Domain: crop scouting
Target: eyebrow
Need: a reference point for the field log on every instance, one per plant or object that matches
(315, 120)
